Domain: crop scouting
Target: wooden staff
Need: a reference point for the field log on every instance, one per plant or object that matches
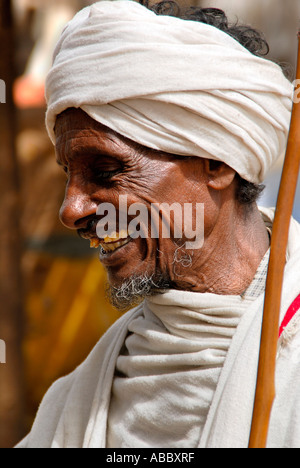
(265, 386)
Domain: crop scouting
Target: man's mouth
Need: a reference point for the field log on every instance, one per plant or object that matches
(112, 242)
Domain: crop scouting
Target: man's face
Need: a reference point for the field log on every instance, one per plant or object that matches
(101, 166)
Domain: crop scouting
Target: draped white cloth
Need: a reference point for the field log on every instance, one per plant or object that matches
(178, 86)
(75, 411)
(170, 368)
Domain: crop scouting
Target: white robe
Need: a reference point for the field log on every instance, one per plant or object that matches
(170, 365)
(74, 411)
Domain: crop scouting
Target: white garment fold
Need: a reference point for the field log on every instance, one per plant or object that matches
(74, 412)
(173, 85)
(170, 368)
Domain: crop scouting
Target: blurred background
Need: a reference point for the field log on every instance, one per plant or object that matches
(52, 287)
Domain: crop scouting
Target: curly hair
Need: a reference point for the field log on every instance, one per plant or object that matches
(247, 193)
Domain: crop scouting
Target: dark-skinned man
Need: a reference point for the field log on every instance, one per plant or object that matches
(156, 109)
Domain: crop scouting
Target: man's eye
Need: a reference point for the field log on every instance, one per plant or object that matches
(101, 175)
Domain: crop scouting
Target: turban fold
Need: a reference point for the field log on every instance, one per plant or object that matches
(173, 85)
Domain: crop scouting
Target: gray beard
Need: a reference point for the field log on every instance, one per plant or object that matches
(136, 288)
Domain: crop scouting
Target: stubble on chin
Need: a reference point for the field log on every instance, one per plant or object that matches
(137, 287)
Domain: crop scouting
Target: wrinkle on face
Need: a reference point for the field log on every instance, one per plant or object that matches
(148, 177)
(102, 165)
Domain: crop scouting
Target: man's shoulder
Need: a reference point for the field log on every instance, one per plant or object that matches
(71, 397)
(102, 348)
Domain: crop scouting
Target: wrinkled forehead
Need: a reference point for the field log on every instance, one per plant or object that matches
(74, 119)
(76, 129)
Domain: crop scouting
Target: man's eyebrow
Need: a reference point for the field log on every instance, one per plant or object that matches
(92, 150)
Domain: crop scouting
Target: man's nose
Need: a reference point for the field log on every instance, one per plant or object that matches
(77, 208)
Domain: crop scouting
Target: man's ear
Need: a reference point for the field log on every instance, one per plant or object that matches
(218, 174)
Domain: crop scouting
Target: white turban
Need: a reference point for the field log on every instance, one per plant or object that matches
(174, 85)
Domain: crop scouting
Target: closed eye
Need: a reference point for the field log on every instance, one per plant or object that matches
(105, 175)
(98, 171)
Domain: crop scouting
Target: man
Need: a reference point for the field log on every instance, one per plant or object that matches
(157, 109)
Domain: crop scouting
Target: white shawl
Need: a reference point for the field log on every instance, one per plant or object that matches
(74, 410)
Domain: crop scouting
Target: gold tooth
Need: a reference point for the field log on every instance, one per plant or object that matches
(122, 237)
(116, 245)
(114, 236)
(123, 234)
(94, 243)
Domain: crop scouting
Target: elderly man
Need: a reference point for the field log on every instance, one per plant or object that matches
(158, 109)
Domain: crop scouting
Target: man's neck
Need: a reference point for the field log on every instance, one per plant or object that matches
(231, 255)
